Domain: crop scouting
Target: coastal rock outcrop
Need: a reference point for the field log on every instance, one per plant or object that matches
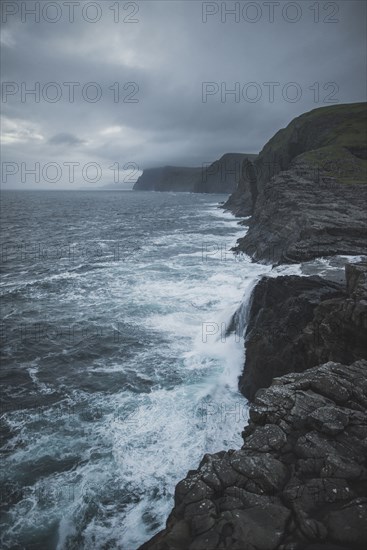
(298, 482)
(308, 189)
(281, 308)
(298, 322)
(297, 219)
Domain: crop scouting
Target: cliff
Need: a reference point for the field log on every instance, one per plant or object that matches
(220, 176)
(307, 189)
(297, 218)
(329, 135)
(168, 178)
(242, 200)
(296, 323)
(299, 482)
(300, 478)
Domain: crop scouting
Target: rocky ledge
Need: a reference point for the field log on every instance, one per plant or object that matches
(296, 323)
(299, 481)
(301, 215)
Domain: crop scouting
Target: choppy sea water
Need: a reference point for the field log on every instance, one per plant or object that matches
(118, 372)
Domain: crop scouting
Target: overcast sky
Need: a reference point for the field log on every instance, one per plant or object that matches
(167, 51)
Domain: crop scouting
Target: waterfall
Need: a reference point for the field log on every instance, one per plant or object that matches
(239, 319)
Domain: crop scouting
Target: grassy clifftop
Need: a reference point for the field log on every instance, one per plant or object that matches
(333, 139)
(311, 188)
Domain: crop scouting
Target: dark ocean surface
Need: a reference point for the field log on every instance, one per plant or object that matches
(118, 374)
(110, 391)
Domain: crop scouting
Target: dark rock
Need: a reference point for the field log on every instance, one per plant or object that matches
(298, 322)
(296, 220)
(281, 308)
(222, 175)
(247, 527)
(168, 178)
(265, 470)
(241, 202)
(348, 524)
(329, 419)
(300, 489)
(309, 189)
(268, 438)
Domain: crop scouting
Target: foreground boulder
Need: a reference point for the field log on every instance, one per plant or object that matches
(299, 322)
(298, 483)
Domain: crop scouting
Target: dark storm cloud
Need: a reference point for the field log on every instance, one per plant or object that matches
(158, 66)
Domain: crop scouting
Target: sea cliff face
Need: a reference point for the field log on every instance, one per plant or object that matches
(243, 199)
(296, 323)
(298, 219)
(168, 178)
(299, 482)
(308, 189)
(220, 176)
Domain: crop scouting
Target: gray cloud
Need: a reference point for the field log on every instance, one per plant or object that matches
(65, 138)
(158, 66)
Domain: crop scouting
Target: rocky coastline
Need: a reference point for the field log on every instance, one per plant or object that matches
(296, 323)
(307, 191)
(299, 482)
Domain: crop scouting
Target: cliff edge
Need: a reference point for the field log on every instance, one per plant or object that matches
(307, 190)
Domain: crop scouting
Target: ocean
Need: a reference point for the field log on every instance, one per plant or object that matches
(119, 370)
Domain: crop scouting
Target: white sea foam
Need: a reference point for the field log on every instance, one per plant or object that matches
(115, 454)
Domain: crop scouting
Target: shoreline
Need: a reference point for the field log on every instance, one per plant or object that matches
(302, 468)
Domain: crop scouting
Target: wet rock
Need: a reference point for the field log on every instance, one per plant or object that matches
(268, 438)
(303, 488)
(329, 420)
(296, 323)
